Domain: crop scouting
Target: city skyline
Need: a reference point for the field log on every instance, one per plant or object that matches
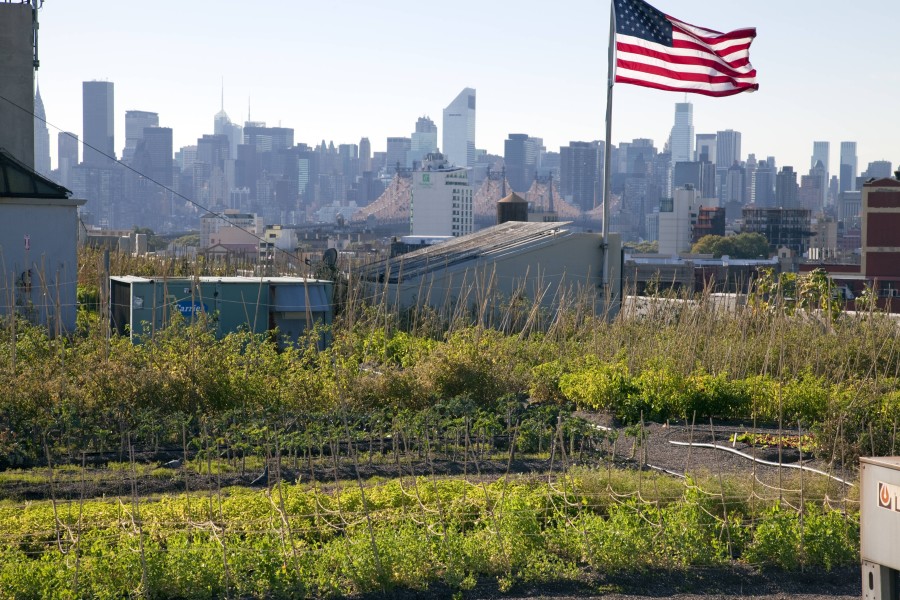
(363, 71)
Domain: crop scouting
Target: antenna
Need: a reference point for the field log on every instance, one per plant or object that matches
(35, 5)
(223, 93)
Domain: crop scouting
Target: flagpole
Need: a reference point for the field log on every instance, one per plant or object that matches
(607, 154)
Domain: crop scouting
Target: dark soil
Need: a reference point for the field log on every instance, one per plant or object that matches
(657, 453)
(661, 454)
(734, 582)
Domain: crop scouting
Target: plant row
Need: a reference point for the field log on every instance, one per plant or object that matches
(411, 534)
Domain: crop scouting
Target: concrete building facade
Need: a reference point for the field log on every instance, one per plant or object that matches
(441, 199)
(17, 81)
(677, 217)
(38, 238)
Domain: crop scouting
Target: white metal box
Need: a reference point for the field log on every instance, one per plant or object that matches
(879, 501)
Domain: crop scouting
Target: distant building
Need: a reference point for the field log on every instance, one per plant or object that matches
(521, 155)
(66, 156)
(849, 167)
(423, 141)
(397, 151)
(135, 123)
(879, 169)
(701, 175)
(222, 125)
(230, 228)
(787, 192)
(764, 185)
(728, 152)
(821, 154)
(710, 221)
(580, 173)
(879, 267)
(41, 137)
(98, 132)
(365, 155)
(677, 216)
(813, 189)
(783, 227)
(441, 199)
(459, 130)
(706, 148)
(681, 140)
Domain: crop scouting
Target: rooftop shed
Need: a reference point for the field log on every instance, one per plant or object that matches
(293, 305)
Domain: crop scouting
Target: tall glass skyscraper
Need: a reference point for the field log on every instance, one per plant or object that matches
(681, 142)
(97, 122)
(849, 167)
(459, 130)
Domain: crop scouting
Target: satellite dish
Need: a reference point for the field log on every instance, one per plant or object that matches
(330, 257)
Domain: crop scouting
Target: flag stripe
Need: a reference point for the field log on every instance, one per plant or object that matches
(659, 51)
(641, 54)
(726, 53)
(682, 74)
(694, 88)
(635, 45)
(712, 37)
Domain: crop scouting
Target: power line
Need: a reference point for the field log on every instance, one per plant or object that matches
(152, 180)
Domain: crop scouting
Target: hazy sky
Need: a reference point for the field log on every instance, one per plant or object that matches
(827, 69)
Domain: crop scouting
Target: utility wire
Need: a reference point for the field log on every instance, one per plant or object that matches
(148, 178)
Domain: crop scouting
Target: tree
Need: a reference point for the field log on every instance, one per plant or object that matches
(644, 247)
(743, 245)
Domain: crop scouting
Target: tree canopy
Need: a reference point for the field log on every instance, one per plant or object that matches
(743, 245)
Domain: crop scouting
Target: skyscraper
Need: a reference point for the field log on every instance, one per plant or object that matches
(459, 130)
(397, 150)
(98, 132)
(879, 169)
(681, 141)
(156, 142)
(706, 147)
(520, 155)
(135, 123)
(786, 189)
(66, 156)
(423, 141)
(365, 155)
(849, 167)
(764, 184)
(728, 148)
(728, 151)
(821, 152)
(41, 137)
(579, 173)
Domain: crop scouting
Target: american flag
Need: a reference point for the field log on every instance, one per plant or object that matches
(659, 51)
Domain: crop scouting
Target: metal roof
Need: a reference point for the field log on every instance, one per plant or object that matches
(212, 279)
(511, 237)
(17, 180)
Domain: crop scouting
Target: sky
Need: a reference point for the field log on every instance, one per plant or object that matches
(343, 70)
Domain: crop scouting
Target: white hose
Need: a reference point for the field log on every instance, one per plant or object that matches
(760, 461)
